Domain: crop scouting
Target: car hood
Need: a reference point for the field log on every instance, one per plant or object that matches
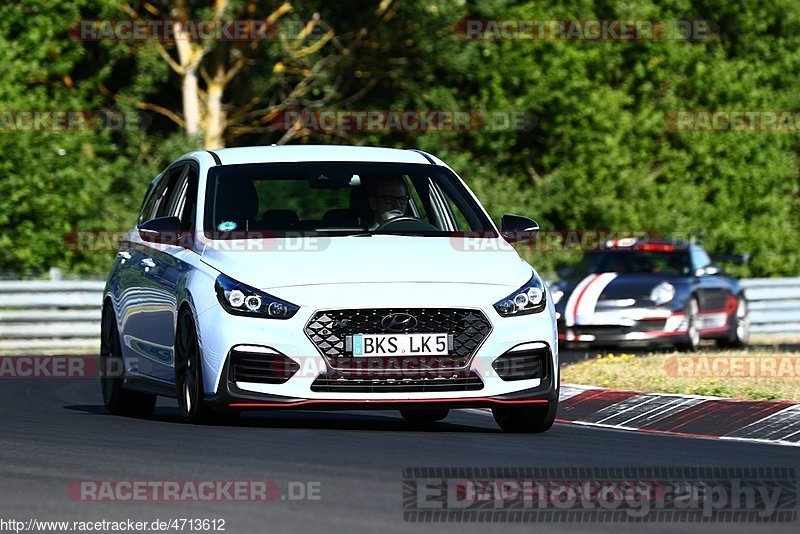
(615, 287)
(636, 286)
(375, 259)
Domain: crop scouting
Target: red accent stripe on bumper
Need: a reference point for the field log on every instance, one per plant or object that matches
(366, 403)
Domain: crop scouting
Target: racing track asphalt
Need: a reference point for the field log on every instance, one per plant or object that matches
(55, 431)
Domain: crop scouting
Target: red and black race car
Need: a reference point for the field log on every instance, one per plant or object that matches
(649, 293)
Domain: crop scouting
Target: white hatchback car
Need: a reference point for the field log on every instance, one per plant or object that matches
(326, 277)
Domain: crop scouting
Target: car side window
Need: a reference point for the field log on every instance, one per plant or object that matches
(183, 200)
(149, 199)
(156, 203)
(167, 192)
(700, 259)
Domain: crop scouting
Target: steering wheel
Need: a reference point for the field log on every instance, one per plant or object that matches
(407, 223)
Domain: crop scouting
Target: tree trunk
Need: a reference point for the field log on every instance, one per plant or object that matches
(189, 84)
(215, 117)
(191, 102)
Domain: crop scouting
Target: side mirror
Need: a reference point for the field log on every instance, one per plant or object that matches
(708, 270)
(565, 272)
(515, 228)
(162, 230)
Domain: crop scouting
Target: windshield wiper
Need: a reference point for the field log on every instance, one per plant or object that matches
(377, 232)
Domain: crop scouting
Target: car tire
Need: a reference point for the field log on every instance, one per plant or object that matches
(189, 372)
(117, 399)
(430, 415)
(739, 327)
(527, 419)
(692, 340)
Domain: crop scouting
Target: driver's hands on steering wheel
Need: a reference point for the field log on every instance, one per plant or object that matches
(387, 216)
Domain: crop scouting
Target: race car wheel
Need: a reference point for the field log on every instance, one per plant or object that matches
(525, 419)
(692, 339)
(189, 372)
(424, 416)
(739, 327)
(117, 399)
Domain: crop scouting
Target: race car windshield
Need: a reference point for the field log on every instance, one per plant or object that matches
(338, 199)
(672, 263)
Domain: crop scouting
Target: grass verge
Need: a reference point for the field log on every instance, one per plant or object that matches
(758, 373)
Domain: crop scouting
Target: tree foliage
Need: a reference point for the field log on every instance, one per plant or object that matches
(600, 154)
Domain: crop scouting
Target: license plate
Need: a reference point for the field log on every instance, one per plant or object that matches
(400, 344)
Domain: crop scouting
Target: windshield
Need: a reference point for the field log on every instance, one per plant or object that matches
(335, 198)
(672, 263)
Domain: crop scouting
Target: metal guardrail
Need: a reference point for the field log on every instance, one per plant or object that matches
(44, 315)
(774, 305)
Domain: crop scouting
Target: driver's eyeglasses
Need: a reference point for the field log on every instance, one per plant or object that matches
(389, 199)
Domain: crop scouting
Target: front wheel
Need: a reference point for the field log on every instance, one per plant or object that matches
(189, 372)
(526, 419)
(739, 328)
(692, 340)
(117, 399)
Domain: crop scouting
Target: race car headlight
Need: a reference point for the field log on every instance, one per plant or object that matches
(240, 299)
(662, 293)
(530, 298)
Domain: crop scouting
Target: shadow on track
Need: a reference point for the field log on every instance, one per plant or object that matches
(379, 420)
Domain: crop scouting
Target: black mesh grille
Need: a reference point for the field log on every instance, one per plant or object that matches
(328, 330)
(338, 383)
(523, 365)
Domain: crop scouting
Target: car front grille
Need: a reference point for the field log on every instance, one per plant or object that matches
(342, 383)
(619, 330)
(328, 331)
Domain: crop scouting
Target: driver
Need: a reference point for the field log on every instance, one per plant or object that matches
(388, 199)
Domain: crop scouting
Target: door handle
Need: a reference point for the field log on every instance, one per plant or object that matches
(148, 262)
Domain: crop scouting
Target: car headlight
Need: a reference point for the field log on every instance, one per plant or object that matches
(530, 298)
(662, 293)
(240, 299)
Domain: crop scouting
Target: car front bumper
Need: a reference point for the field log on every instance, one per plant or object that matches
(221, 333)
(632, 327)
